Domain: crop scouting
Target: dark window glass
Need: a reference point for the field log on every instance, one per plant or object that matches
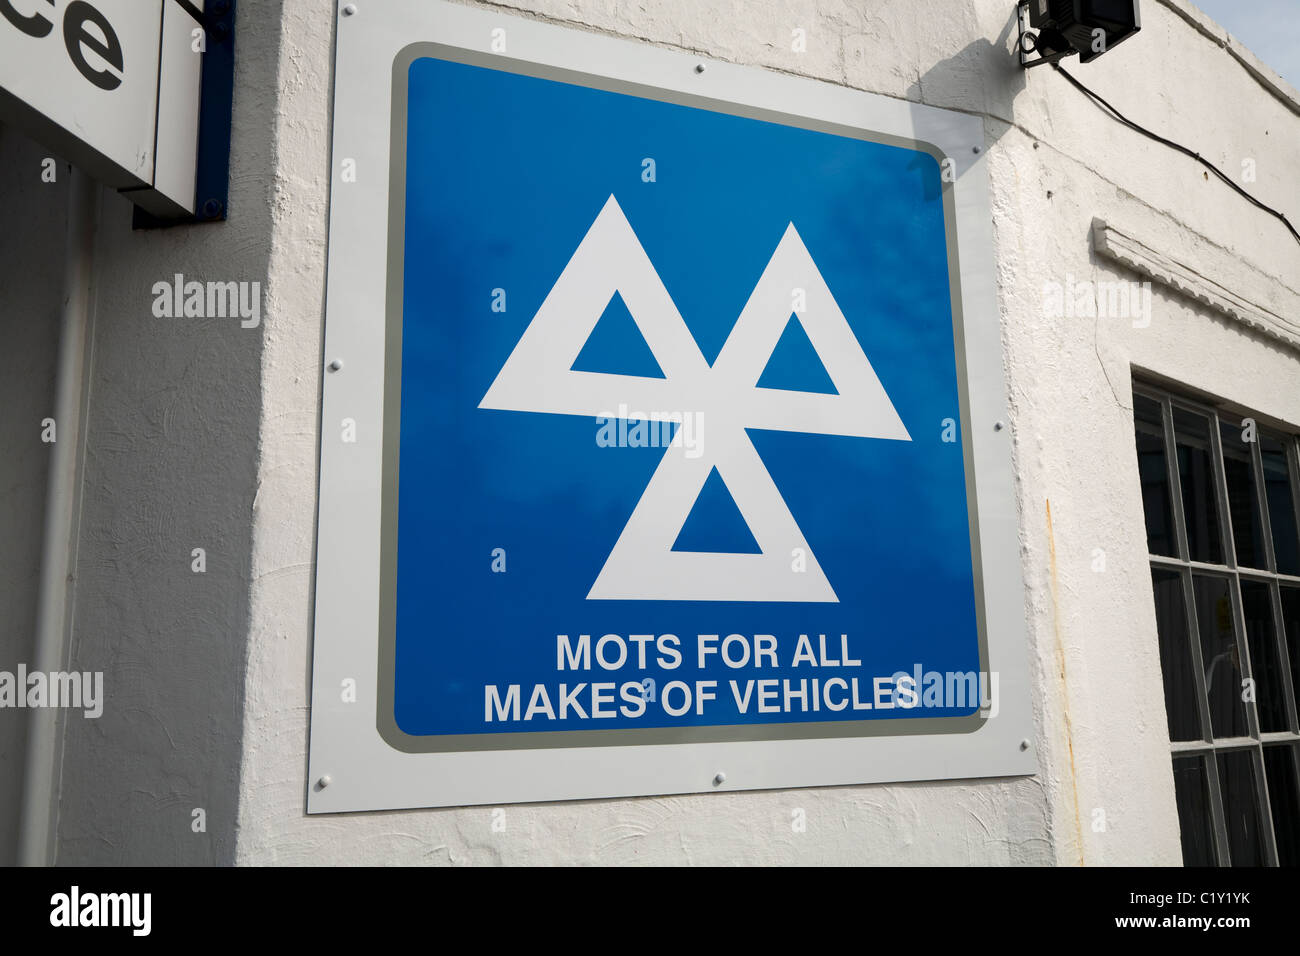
(1281, 504)
(1243, 505)
(1240, 807)
(1191, 790)
(1265, 668)
(1196, 478)
(1153, 472)
(1176, 656)
(1220, 656)
(1291, 626)
(1280, 770)
(1238, 489)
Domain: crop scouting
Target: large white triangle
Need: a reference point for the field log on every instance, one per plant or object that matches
(861, 408)
(537, 377)
(643, 565)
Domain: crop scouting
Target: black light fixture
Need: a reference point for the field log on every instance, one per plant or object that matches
(1062, 28)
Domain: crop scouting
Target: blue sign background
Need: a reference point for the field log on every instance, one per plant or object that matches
(505, 174)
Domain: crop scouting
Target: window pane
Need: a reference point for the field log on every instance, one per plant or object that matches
(1196, 478)
(1291, 626)
(1280, 769)
(1240, 807)
(1243, 505)
(1153, 472)
(1176, 656)
(1265, 668)
(1281, 504)
(1190, 789)
(1219, 656)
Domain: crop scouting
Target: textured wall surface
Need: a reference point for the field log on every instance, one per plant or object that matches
(205, 434)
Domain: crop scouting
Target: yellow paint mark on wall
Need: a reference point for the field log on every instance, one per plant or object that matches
(1065, 685)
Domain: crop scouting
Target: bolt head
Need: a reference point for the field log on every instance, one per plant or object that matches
(1024, 745)
(211, 208)
(349, 9)
(720, 779)
(336, 365)
(699, 67)
(324, 781)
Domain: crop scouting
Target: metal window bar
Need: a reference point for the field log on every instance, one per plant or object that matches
(1239, 625)
(1241, 642)
(1285, 658)
(1279, 637)
(1261, 498)
(1211, 768)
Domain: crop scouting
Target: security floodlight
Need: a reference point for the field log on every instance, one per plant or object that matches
(1065, 27)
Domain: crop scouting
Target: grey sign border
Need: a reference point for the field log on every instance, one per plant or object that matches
(386, 723)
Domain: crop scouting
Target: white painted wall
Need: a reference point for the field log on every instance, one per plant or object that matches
(205, 434)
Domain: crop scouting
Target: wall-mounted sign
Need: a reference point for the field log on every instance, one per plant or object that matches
(658, 402)
(83, 78)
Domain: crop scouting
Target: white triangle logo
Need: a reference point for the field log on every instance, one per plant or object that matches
(724, 399)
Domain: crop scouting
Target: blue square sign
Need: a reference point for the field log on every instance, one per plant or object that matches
(673, 434)
(656, 394)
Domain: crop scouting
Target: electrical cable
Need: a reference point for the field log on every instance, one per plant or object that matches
(1176, 146)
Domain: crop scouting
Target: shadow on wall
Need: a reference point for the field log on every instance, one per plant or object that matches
(171, 466)
(982, 78)
(31, 274)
